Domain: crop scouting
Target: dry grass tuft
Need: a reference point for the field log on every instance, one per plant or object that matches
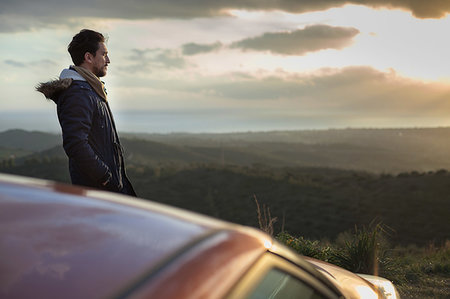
(265, 220)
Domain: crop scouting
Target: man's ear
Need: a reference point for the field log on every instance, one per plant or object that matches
(88, 57)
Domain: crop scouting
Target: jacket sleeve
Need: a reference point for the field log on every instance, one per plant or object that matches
(75, 112)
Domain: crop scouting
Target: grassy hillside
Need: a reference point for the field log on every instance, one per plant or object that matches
(417, 272)
(7, 153)
(315, 203)
(312, 202)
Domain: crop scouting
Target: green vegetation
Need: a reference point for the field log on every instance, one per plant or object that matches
(315, 203)
(306, 247)
(10, 154)
(420, 272)
(362, 250)
(416, 272)
(49, 168)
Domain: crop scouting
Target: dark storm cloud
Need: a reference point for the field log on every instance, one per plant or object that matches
(16, 15)
(299, 42)
(193, 48)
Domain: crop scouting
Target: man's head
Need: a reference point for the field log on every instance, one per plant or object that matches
(88, 50)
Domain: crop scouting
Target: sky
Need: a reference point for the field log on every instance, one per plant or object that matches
(233, 66)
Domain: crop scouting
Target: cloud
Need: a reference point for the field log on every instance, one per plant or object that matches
(299, 42)
(357, 91)
(28, 15)
(353, 96)
(193, 48)
(43, 63)
(37, 63)
(21, 15)
(146, 60)
(14, 63)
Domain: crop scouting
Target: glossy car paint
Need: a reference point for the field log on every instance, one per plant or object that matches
(65, 245)
(60, 241)
(351, 285)
(210, 271)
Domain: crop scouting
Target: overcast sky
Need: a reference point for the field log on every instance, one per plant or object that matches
(243, 65)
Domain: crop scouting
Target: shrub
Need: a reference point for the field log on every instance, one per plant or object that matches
(306, 247)
(361, 251)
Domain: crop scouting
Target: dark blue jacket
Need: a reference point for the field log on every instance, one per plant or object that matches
(90, 138)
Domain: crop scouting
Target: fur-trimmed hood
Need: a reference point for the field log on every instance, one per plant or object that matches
(52, 89)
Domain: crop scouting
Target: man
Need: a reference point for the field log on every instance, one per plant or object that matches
(90, 138)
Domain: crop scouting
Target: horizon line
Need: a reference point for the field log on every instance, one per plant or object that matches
(249, 131)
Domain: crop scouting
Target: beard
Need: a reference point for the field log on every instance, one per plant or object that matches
(99, 71)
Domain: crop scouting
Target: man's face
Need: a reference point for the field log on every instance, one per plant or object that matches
(101, 61)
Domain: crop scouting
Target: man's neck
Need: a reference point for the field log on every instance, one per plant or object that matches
(87, 67)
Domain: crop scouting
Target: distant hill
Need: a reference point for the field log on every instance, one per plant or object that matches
(367, 137)
(142, 152)
(375, 150)
(29, 141)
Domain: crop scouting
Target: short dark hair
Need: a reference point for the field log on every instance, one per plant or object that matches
(84, 41)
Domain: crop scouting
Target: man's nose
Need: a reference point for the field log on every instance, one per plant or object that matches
(107, 59)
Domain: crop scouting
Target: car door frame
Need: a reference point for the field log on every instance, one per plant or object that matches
(269, 261)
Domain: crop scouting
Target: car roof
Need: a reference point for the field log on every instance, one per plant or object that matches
(66, 241)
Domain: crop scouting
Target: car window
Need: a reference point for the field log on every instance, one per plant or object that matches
(279, 284)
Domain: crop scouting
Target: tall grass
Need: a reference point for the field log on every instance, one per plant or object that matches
(417, 272)
(362, 250)
(265, 220)
(307, 247)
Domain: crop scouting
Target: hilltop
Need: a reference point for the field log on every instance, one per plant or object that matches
(372, 150)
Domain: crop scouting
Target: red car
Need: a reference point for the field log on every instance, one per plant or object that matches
(61, 241)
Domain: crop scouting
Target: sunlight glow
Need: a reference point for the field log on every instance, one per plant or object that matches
(387, 39)
(366, 292)
(385, 286)
(267, 244)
